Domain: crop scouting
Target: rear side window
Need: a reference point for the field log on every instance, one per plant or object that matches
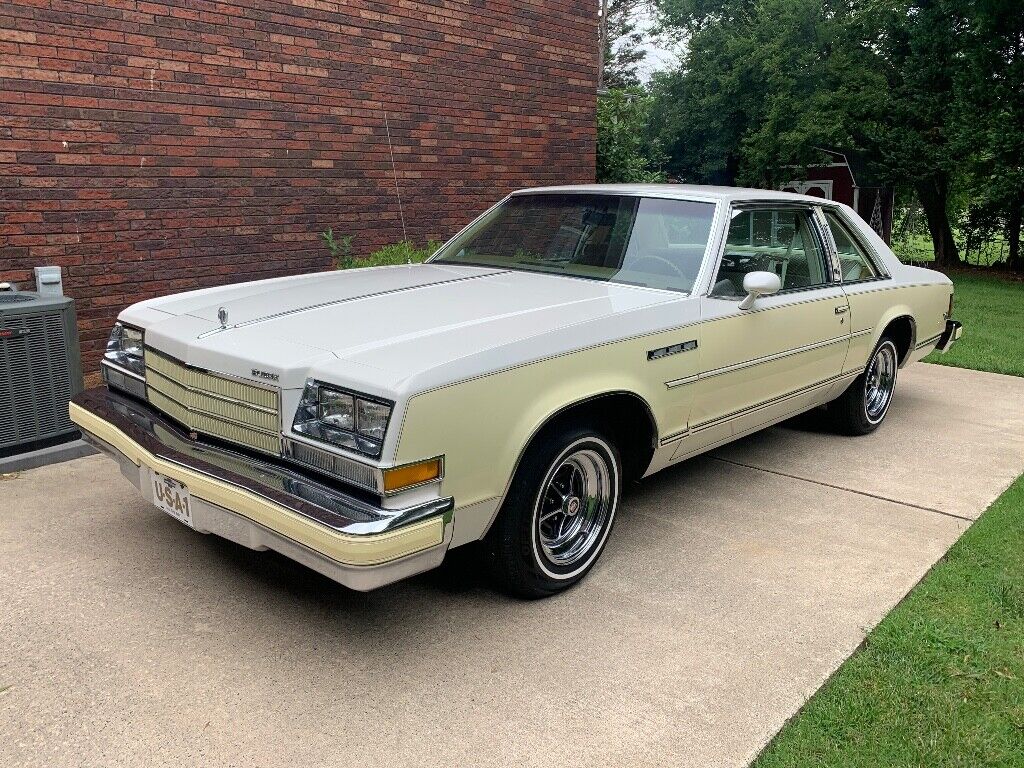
(780, 241)
(854, 262)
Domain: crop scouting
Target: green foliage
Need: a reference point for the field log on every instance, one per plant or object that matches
(402, 252)
(940, 681)
(763, 87)
(625, 153)
(992, 311)
(990, 111)
(928, 89)
(340, 248)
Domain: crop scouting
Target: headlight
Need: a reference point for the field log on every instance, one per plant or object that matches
(127, 369)
(342, 418)
(124, 349)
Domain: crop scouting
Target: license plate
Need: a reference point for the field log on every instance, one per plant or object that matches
(173, 498)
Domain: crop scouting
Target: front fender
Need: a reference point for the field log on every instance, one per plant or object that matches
(483, 425)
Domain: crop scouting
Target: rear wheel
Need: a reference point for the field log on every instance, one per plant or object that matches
(862, 407)
(557, 515)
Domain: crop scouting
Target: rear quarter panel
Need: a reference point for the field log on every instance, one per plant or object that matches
(874, 305)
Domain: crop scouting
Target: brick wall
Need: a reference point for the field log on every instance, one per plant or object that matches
(154, 147)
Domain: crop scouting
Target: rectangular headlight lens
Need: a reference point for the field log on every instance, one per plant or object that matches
(337, 409)
(342, 418)
(131, 342)
(372, 418)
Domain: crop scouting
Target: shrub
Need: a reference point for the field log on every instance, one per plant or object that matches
(340, 248)
(402, 252)
(398, 253)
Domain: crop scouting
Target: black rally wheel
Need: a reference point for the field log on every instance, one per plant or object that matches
(558, 514)
(863, 406)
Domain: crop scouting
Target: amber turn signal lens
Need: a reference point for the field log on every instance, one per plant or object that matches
(411, 474)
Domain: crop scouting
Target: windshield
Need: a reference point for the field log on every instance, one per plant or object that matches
(645, 241)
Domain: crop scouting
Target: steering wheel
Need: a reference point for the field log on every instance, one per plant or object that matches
(663, 261)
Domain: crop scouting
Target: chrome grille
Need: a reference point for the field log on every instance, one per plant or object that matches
(215, 405)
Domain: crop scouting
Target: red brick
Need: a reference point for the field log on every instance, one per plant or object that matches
(160, 146)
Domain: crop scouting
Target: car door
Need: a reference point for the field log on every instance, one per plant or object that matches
(863, 276)
(783, 354)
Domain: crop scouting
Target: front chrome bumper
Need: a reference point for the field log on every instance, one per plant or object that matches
(264, 505)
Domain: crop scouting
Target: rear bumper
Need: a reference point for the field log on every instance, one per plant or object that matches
(262, 505)
(954, 330)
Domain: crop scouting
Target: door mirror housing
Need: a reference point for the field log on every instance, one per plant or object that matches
(758, 284)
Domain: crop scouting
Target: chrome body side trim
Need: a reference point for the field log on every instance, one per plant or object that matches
(696, 428)
(680, 382)
(776, 356)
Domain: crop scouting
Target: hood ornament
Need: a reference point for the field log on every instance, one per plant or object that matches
(222, 315)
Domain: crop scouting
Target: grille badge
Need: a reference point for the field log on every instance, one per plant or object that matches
(265, 375)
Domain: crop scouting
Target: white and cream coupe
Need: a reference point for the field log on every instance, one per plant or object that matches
(568, 341)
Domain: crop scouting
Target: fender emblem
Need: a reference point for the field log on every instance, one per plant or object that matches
(675, 349)
(267, 375)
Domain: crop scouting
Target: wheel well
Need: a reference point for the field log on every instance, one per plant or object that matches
(901, 331)
(624, 417)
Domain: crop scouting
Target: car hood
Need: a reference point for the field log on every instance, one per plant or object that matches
(381, 326)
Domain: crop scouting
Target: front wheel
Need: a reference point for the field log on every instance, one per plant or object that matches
(557, 515)
(862, 407)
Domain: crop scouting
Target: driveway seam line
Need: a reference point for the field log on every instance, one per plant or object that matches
(849, 490)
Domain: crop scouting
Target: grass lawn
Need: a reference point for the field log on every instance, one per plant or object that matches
(992, 311)
(940, 681)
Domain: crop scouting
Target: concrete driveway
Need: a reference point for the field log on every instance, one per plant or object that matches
(732, 587)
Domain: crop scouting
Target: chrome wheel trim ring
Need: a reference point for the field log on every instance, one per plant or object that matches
(575, 507)
(880, 382)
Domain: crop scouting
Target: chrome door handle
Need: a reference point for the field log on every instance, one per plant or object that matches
(840, 310)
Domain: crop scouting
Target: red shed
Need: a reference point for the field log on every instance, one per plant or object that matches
(847, 179)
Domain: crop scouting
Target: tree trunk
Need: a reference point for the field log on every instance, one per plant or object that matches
(934, 196)
(1013, 238)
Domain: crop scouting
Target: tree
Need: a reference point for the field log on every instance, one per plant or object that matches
(625, 153)
(763, 87)
(622, 44)
(991, 118)
(916, 46)
(767, 82)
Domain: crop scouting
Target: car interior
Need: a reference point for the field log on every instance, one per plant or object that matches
(780, 241)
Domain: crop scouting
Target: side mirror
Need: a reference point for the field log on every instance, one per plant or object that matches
(758, 284)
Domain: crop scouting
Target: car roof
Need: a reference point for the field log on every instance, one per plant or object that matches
(681, 191)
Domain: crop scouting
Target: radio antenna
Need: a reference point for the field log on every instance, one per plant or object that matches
(398, 194)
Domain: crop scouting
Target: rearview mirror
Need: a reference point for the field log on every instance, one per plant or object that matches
(758, 284)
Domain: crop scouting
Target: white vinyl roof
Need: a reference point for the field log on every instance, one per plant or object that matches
(682, 191)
